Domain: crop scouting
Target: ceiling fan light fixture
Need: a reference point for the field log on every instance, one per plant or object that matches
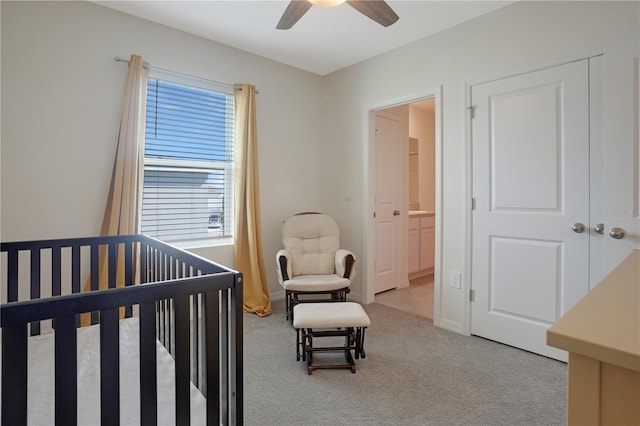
(326, 3)
(377, 10)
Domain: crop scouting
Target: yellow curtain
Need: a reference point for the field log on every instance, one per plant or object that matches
(124, 201)
(248, 233)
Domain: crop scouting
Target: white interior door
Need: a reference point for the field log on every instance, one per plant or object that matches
(622, 150)
(387, 155)
(530, 136)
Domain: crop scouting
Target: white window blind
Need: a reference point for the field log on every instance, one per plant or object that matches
(188, 173)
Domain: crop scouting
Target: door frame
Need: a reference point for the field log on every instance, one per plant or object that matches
(596, 149)
(368, 224)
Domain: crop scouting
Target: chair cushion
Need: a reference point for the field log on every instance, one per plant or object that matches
(316, 283)
(312, 239)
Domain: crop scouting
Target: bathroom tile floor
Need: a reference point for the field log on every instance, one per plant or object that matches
(417, 298)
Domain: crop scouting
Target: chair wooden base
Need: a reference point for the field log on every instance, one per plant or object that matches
(292, 298)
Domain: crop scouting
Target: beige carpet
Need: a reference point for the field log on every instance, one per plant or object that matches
(413, 374)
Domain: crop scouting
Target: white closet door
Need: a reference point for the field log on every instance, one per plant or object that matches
(531, 188)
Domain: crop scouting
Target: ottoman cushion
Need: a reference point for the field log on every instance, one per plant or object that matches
(330, 315)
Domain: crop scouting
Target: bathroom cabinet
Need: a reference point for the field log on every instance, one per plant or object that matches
(421, 244)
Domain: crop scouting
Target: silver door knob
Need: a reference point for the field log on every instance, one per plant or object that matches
(616, 233)
(599, 228)
(396, 212)
(578, 228)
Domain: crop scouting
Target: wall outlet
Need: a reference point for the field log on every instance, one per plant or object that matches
(455, 279)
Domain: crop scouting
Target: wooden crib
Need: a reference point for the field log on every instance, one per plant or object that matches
(192, 306)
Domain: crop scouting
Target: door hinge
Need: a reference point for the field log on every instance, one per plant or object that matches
(472, 295)
(472, 110)
(473, 204)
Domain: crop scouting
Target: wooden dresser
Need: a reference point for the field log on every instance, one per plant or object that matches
(602, 335)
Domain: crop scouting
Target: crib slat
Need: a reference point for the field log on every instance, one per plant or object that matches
(224, 357)
(35, 286)
(75, 269)
(66, 371)
(95, 276)
(113, 264)
(128, 274)
(75, 274)
(212, 325)
(168, 326)
(236, 344)
(148, 362)
(225, 390)
(12, 276)
(194, 339)
(153, 264)
(109, 367)
(56, 272)
(144, 263)
(162, 311)
(183, 390)
(14, 375)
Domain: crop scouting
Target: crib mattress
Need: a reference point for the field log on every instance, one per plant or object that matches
(41, 379)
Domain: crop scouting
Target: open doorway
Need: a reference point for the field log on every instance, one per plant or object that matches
(416, 284)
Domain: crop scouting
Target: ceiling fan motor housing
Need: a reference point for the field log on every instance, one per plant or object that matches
(377, 10)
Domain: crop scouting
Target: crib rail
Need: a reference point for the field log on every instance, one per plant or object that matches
(193, 306)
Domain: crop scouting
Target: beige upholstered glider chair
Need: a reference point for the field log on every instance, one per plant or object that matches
(312, 266)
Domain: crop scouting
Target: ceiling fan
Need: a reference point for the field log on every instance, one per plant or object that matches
(377, 10)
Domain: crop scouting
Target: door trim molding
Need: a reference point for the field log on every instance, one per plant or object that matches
(368, 131)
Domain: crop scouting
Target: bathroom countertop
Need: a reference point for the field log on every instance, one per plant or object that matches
(420, 213)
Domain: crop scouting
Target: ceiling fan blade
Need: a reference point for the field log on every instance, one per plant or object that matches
(377, 10)
(293, 13)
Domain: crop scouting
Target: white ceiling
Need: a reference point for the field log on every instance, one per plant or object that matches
(322, 41)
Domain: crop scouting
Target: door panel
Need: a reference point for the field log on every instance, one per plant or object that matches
(520, 288)
(525, 140)
(531, 184)
(387, 148)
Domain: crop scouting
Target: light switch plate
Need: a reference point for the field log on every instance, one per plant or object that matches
(455, 279)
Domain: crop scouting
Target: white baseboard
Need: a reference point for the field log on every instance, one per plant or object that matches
(277, 295)
(454, 326)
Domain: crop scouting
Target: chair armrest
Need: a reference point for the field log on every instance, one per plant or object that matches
(345, 264)
(283, 265)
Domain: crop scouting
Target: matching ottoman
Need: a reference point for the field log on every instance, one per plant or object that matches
(331, 319)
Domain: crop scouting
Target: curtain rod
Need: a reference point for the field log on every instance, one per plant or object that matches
(235, 87)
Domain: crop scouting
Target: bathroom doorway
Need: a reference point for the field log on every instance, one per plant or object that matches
(416, 286)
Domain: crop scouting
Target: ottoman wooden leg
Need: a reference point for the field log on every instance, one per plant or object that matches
(309, 350)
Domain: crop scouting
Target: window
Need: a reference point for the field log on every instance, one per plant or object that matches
(188, 164)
